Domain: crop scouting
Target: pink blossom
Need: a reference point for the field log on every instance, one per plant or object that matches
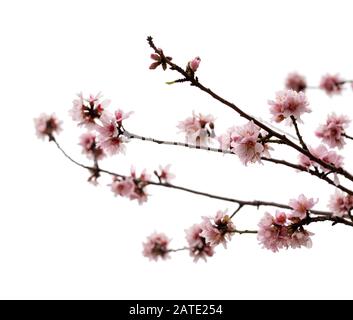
(225, 139)
(124, 188)
(133, 187)
(198, 129)
(296, 82)
(301, 239)
(141, 182)
(159, 59)
(87, 110)
(340, 204)
(198, 247)
(193, 64)
(120, 115)
(271, 235)
(110, 136)
(156, 247)
(218, 229)
(245, 143)
(322, 153)
(47, 125)
(274, 235)
(332, 131)
(89, 146)
(332, 84)
(289, 103)
(164, 174)
(280, 218)
(301, 206)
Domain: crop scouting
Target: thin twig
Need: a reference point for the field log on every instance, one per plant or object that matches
(252, 203)
(194, 81)
(305, 147)
(347, 136)
(273, 160)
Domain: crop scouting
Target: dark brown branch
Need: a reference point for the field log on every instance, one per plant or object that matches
(347, 136)
(253, 203)
(335, 220)
(277, 161)
(316, 173)
(236, 211)
(305, 147)
(245, 231)
(195, 82)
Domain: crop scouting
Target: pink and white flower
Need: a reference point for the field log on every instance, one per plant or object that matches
(301, 206)
(120, 115)
(331, 84)
(198, 247)
(156, 246)
(164, 174)
(218, 229)
(271, 235)
(340, 203)
(124, 188)
(46, 125)
(89, 146)
(87, 110)
(322, 153)
(296, 82)
(198, 129)
(332, 132)
(279, 232)
(110, 136)
(300, 239)
(133, 187)
(288, 103)
(225, 139)
(245, 142)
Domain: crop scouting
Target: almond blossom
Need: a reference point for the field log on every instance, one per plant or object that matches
(246, 142)
(156, 247)
(89, 146)
(110, 134)
(198, 247)
(288, 103)
(218, 229)
(331, 84)
(46, 125)
(322, 153)
(164, 174)
(132, 187)
(332, 132)
(124, 188)
(340, 203)
(274, 235)
(301, 206)
(296, 82)
(87, 110)
(198, 129)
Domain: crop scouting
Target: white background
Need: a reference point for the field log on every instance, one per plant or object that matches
(60, 237)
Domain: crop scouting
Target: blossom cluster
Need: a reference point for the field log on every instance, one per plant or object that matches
(248, 142)
(333, 131)
(198, 129)
(332, 84)
(288, 103)
(106, 136)
(201, 238)
(285, 230)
